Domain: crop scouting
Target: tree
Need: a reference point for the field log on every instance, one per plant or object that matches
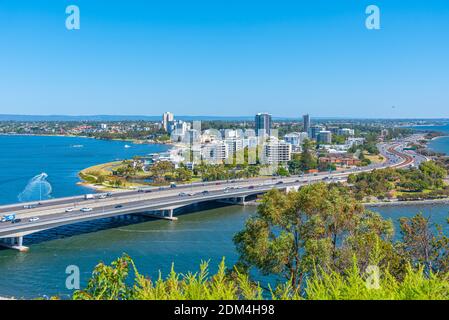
(283, 172)
(160, 169)
(183, 173)
(308, 162)
(338, 139)
(318, 225)
(434, 171)
(294, 165)
(424, 244)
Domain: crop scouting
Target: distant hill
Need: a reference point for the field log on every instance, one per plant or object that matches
(106, 118)
(109, 118)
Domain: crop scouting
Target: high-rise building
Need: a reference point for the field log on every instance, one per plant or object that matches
(233, 145)
(263, 124)
(324, 137)
(177, 129)
(313, 131)
(167, 117)
(214, 152)
(277, 152)
(306, 122)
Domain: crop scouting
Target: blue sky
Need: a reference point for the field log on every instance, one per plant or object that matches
(227, 58)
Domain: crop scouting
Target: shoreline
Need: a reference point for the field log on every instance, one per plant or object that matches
(407, 203)
(134, 141)
(385, 204)
(439, 137)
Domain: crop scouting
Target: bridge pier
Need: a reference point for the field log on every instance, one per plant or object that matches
(236, 200)
(240, 200)
(15, 243)
(166, 214)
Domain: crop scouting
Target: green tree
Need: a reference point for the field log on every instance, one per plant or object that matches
(318, 225)
(160, 169)
(424, 244)
(283, 172)
(307, 161)
(183, 174)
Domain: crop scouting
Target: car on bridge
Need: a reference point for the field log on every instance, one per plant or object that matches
(8, 217)
(16, 221)
(86, 209)
(69, 209)
(33, 219)
(118, 206)
(30, 206)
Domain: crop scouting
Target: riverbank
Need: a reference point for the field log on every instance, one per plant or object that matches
(407, 203)
(384, 204)
(134, 141)
(91, 178)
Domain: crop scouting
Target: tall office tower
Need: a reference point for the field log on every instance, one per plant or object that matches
(167, 117)
(263, 124)
(306, 122)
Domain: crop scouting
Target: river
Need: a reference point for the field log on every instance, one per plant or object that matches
(153, 244)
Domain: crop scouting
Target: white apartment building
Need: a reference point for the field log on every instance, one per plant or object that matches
(167, 117)
(277, 152)
(178, 129)
(233, 145)
(355, 141)
(296, 139)
(346, 132)
(250, 142)
(214, 152)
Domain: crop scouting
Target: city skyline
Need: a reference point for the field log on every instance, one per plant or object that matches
(233, 59)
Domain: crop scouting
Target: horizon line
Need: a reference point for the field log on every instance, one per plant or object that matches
(218, 117)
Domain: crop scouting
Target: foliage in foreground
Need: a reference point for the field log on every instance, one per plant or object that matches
(113, 283)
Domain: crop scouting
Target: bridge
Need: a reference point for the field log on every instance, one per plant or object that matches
(161, 202)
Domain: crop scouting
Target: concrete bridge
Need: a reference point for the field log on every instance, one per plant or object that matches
(161, 202)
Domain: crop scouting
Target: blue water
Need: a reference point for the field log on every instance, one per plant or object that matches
(61, 158)
(440, 128)
(154, 244)
(440, 144)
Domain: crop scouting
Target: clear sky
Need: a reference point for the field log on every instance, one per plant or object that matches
(227, 58)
